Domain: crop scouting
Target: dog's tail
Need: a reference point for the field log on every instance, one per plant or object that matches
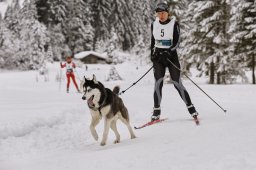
(116, 89)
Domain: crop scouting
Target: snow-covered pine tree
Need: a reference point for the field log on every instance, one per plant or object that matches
(57, 41)
(74, 25)
(53, 14)
(34, 38)
(88, 35)
(191, 53)
(243, 35)
(152, 6)
(44, 11)
(208, 39)
(120, 19)
(9, 31)
(1, 41)
(7, 47)
(1, 33)
(58, 12)
(112, 45)
(101, 10)
(141, 49)
(177, 8)
(127, 20)
(142, 17)
(113, 75)
(12, 15)
(188, 28)
(79, 31)
(8, 17)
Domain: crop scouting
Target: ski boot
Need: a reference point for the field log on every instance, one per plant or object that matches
(156, 114)
(194, 113)
(67, 90)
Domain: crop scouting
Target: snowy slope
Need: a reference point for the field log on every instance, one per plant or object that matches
(42, 127)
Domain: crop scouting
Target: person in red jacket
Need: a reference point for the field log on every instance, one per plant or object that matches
(70, 66)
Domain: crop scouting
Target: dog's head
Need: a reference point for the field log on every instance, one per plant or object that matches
(92, 91)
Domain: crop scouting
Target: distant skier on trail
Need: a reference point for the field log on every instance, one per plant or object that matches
(164, 42)
(70, 66)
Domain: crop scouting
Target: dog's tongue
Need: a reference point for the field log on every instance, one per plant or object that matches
(90, 102)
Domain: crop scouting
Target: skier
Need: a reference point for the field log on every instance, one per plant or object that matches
(70, 66)
(165, 35)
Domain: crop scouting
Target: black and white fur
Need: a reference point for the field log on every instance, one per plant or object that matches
(104, 103)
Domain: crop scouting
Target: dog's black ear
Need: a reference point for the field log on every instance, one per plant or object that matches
(94, 79)
(85, 79)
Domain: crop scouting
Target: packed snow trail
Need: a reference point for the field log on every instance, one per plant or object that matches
(44, 128)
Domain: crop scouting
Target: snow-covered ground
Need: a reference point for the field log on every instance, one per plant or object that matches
(44, 128)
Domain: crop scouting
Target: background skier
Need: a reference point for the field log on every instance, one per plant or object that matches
(70, 66)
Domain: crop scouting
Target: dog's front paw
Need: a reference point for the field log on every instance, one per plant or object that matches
(133, 137)
(96, 137)
(94, 134)
(117, 141)
(103, 143)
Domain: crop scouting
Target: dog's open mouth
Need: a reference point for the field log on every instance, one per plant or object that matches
(90, 101)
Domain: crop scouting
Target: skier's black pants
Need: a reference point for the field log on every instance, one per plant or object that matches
(159, 71)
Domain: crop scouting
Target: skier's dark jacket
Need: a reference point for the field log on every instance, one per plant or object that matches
(172, 50)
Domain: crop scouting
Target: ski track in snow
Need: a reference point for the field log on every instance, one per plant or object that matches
(44, 128)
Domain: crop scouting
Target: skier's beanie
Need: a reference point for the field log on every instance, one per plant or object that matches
(162, 7)
(68, 54)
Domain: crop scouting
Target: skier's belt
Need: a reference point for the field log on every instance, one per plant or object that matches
(166, 43)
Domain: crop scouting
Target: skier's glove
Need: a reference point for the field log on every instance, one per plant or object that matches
(154, 58)
(155, 55)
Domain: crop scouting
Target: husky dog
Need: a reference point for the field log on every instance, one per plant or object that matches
(104, 103)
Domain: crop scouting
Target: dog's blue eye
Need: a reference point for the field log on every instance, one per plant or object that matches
(89, 90)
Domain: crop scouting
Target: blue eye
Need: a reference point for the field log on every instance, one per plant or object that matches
(89, 90)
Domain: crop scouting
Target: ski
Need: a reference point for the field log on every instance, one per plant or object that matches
(150, 123)
(161, 120)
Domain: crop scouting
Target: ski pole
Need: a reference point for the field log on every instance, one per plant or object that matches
(136, 81)
(196, 85)
(77, 75)
(60, 77)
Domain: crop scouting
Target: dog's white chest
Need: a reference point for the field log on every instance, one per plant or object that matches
(105, 110)
(102, 113)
